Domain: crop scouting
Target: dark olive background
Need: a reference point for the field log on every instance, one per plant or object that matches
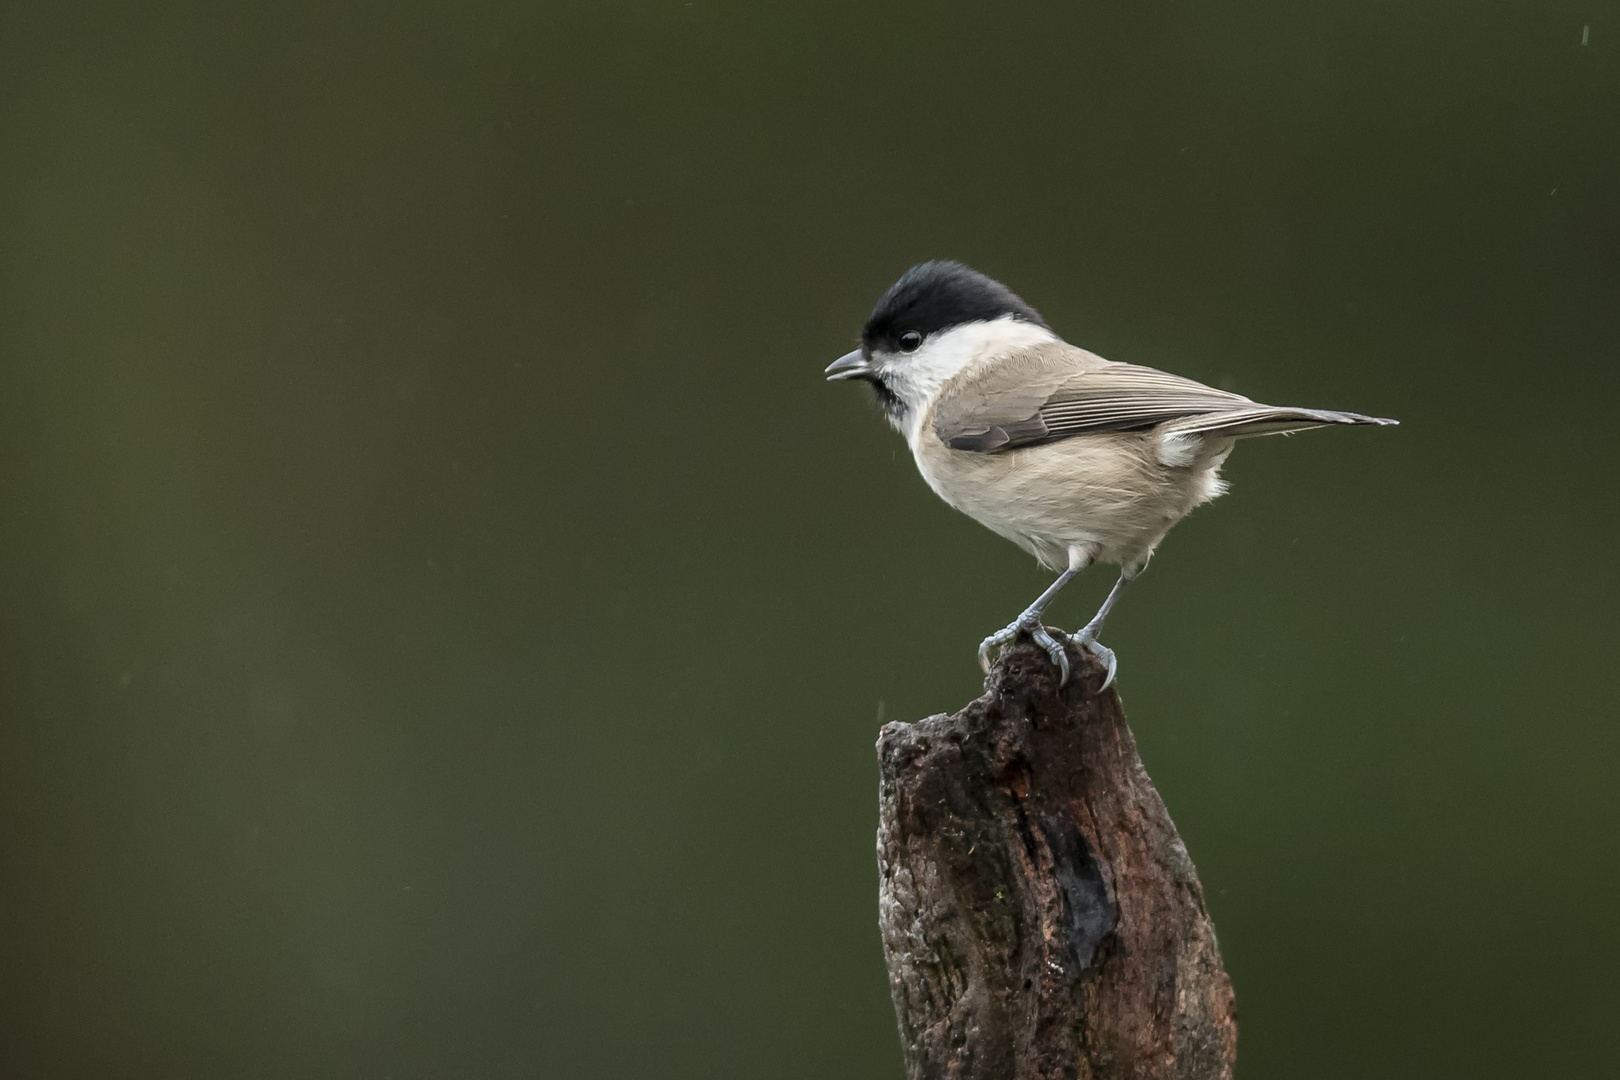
(445, 618)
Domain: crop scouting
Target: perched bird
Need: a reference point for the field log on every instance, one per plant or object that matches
(1074, 458)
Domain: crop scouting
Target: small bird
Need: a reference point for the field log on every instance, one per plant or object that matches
(1074, 458)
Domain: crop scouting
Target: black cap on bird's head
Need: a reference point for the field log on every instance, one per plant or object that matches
(929, 299)
(938, 295)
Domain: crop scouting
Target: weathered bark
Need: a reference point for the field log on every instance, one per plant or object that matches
(1040, 915)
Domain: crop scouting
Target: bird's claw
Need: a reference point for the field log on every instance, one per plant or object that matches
(1054, 646)
(1101, 652)
(1031, 625)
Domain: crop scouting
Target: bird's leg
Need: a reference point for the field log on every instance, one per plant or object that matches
(1086, 638)
(1030, 623)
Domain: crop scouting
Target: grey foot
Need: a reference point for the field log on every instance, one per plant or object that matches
(1101, 652)
(1031, 625)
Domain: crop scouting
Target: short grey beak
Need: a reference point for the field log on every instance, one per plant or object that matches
(852, 365)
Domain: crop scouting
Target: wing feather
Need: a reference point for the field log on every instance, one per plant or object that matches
(1053, 391)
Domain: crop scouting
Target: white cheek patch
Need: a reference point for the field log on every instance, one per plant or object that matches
(917, 377)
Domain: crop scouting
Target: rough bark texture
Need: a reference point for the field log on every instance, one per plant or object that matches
(1040, 915)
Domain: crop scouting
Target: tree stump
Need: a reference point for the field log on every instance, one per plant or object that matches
(1040, 916)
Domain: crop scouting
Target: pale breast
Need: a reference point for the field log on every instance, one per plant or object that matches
(1108, 493)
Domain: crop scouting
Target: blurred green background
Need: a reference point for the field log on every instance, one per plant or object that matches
(445, 618)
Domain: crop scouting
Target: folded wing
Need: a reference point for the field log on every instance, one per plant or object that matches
(1055, 391)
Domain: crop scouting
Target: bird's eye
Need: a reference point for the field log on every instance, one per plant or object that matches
(910, 341)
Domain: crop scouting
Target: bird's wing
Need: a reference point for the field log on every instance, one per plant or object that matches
(1054, 391)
